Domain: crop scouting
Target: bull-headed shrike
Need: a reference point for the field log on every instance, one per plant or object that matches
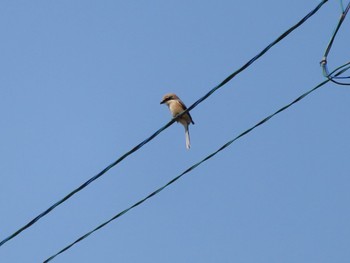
(176, 106)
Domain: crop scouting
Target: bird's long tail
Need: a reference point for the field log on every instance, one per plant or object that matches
(187, 134)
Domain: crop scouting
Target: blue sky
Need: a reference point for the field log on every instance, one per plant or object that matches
(81, 83)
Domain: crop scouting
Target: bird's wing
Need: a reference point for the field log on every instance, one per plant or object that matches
(185, 108)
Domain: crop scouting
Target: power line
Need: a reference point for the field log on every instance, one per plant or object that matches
(188, 170)
(137, 147)
(334, 77)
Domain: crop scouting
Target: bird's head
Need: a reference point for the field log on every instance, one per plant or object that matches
(169, 97)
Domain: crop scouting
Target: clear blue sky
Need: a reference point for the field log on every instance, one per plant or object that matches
(81, 83)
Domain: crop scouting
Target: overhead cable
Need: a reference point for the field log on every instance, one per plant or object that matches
(334, 77)
(81, 238)
(137, 147)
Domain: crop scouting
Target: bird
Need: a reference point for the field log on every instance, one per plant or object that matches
(176, 106)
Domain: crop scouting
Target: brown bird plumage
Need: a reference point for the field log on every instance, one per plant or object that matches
(176, 106)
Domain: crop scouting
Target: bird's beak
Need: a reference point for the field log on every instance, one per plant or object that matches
(162, 102)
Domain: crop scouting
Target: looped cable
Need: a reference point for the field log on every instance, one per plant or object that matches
(335, 75)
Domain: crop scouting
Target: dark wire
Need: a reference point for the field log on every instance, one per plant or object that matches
(137, 147)
(196, 165)
(335, 77)
(189, 169)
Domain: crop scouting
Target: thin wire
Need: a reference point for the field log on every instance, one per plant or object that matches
(304, 19)
(188, 170)
(137, 147)
(324, 61)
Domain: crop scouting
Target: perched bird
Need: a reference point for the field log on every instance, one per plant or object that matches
(176, 106)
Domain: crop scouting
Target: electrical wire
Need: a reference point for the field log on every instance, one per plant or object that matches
(334, 77)
(137, 147)
(188, 170)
